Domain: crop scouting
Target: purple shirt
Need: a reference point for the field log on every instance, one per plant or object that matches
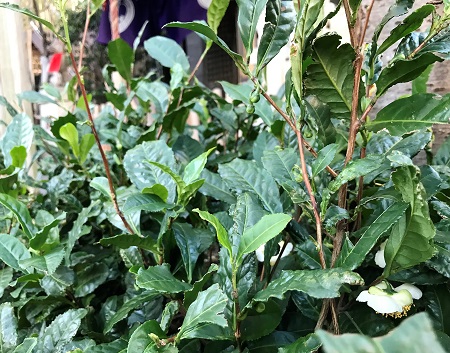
(134, 13)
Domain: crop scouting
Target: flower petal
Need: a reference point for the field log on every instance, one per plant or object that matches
(384, 304)
(287, 249)
(260, 253)
(379, 256)
(364, 296)
(416, 293)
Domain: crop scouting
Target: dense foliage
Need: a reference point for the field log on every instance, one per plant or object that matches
(267, 228)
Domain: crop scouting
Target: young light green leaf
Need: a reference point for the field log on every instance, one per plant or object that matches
(412, 113)
(351, 259)
(144, 202)
(34, 97)
(194, 168)
(307, 344)
(215, 13)
(70, 133)
(316, 283)
(140, 340)
(21, 212)
(415, 334)
(167, 52)
(324, 158)
(87, 141)
(18, 156)
(280, 22)
(411, 239)
(132, 304)
(18, 133)
(267, 228)
(408, 25)
(222, 234)
(191, 242)
(122, 56)
(329, 77)
(206, 309)
(124, 241)
(160, 279)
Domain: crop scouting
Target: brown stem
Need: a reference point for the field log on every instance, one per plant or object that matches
(83, 40)
(99, 145)
(351, 29)
(311, 197)
(366, 23)
(199, 62)
(323, 313)
(276, 262)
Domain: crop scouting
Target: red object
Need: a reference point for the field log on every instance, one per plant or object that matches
(55, 62)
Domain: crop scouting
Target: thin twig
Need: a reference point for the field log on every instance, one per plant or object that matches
(99, 145)
(351, 29)
(366, 23)
(83, 40)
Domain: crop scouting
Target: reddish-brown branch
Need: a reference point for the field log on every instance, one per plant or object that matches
(312, 198)
(366, 23)
(99, 145)
(83, 40)
(351, 29)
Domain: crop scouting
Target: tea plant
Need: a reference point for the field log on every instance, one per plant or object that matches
(288, 223)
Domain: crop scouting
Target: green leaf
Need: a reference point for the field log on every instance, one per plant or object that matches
(70, 133)
(21, 212)
(307, 344)
(248, 16)
(160, 279)
(355, 169)
(412, 113)
(208, 32)
(18, 156)
(60, 331)
(12, 251)
(158, 190)
(411, 239)
(351, 259)
(6, 276)
(48, 263)
(28, 13)
(437, 306)
(280, 164)
(26, 346)
(117, 346)
(316, 283)
(419, 84)
(122, 57)
(415, 334)
(90, 278)
(87, 141)
(408, 25)
(18, 133)
(144, 202)
(144, 174)
(206, 309)
(132, 304)
(267, 228)
(169, 312)
(157, 93)
(330, 77)
(191, 295)
(243, 175)
(215, 13)
(194, 168)
(324, 158)
(404, 71)
(280, 22)
(34, 97)
(140, 340)
(191, 242)
(8, 327)
(215, 187)
(11, 110)
(222, 234)
(167, 52)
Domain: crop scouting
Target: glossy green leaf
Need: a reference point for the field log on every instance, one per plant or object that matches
(307, 344)
(158, 190)
(90, 278)
(191, 295)
(157, 93)
(412, 113)
(404, 71)
(21, 212)
(280, 21)
(26, 346)
(419, 84)
(191, 242)
(267, 228)
(144, 174)
(169, 312)
(121, 56)
(415, 334)
(140, 341)
(247, 176)
(12, 251)
(330, 77)
(86, 143)
(194, 168)
(207, 309)
(47, 263)
(351, 259)
(248, 16)
(411, 239)
(18, 156)
(408, 25)
(6, 276)
(18, 133)
(69, 133)
(8, 327)
(316, 283)
(355, 169)
(132, 304)
(215, 187)
(167, 52)
(280, 164)
(34, 97)
(144, 202)
(160, 279)
(437, 306)
(60, 331)
(222, 234)
(215, 13)
(324, 158)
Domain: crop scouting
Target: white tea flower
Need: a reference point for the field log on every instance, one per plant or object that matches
(260, 252)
